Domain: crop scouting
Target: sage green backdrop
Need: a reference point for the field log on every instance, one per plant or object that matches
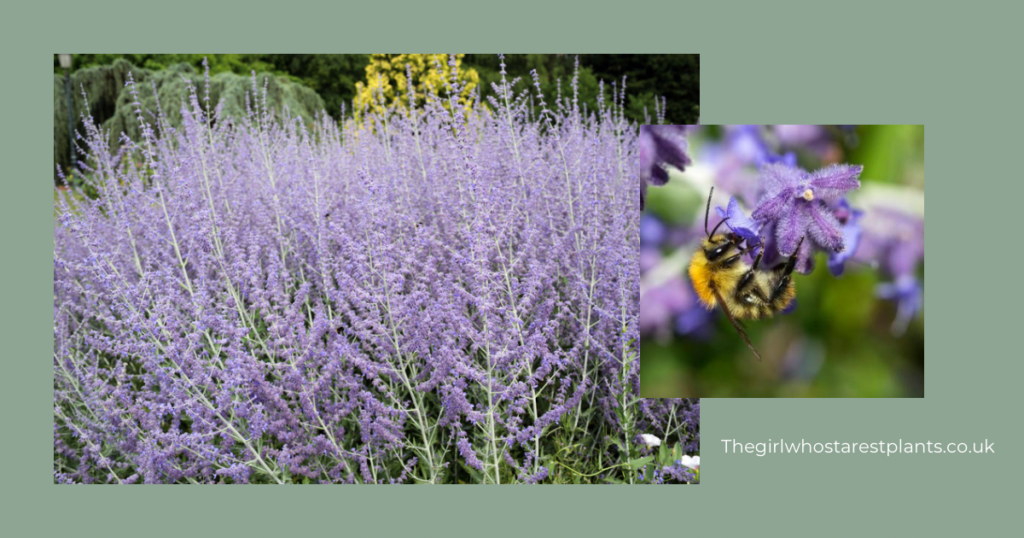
(954, 70)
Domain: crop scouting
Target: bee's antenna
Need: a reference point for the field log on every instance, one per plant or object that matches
(715, 229)
(708, 210)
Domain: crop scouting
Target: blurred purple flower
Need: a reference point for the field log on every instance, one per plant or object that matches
(652, 231)
(740, 223)
(893, 240)
(658, 306)
(788, 159)
(800, 135)
(747, 143)
(907, 292)
(649, 257)
(816, 139)
(797, 203)
(660, 145)
(696, 322)
(850, 220)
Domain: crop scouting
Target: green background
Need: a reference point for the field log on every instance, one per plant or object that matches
(954, 70)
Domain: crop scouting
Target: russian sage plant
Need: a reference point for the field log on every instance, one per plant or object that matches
(430, 294)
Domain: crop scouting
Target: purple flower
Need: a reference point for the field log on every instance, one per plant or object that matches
(800, 135)
(798, 203)
(907, 292)
(747, 143)
(788, 159)
(652, 231)
(893, 240)
(660, 145)
(695, 321)
(660, 305)
(850, 220)
(740, 223)
(815, 139)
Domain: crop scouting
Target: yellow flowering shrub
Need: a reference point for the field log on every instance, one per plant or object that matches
(386, 74)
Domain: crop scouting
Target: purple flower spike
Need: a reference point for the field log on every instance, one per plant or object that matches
(797, 202)
(740, 223)
(660, 145)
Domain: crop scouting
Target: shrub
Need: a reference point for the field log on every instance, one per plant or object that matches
(431, 297)
(101, 92)
(406, 80)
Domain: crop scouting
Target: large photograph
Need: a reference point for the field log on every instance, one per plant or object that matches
(417, 269)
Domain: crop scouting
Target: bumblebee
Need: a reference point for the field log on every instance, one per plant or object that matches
(722, 278)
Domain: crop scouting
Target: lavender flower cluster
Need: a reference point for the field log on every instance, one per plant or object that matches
(428, 295)
(756, 167)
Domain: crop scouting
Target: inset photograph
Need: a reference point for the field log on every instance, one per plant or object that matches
(782, 261)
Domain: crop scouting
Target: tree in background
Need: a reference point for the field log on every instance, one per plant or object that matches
(333, 76)
(111, 104)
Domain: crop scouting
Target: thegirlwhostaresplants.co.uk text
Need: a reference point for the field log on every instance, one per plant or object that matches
(732, 446)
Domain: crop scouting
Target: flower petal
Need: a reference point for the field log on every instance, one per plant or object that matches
(805, 259)
(823, 226)
(789, 229)
(670, 144)
(778, 178)
(740, 223)
(774, 208)
(659, 176)
(832, 182)
(851, 240)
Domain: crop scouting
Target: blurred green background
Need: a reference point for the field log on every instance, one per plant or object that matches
(840, 339)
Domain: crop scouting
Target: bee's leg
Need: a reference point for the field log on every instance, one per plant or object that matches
(787, 270)
(757, 260)
(791, 262)
(748, 277)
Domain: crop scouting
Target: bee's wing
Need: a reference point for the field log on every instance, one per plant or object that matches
(736, 324)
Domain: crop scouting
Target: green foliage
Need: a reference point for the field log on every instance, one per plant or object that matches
(110, 102)
(333, 76)
(241, 64)
(673, 76)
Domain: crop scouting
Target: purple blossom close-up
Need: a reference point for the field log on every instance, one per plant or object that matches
(797, 204)
(785, 197)
(740, 224)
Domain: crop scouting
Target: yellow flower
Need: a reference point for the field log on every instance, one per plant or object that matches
(387, 83)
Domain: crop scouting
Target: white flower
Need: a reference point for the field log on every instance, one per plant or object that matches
(650, 440)
(693, 463)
